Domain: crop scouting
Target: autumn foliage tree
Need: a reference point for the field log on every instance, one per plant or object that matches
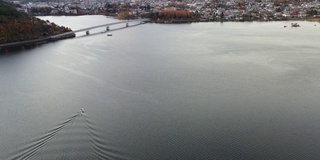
(16, 26)
(175, 14)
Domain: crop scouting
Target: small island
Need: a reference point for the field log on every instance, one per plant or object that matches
(18, 27)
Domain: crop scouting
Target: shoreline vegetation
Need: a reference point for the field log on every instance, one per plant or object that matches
(18, 29)
(312, 19)
(165, 16)
(184, 16)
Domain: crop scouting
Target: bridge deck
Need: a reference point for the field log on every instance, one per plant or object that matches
(63, 35)
(99, 26)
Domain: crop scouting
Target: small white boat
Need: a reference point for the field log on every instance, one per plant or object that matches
(81, 110)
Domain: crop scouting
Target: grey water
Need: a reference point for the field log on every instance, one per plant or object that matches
(164, 91)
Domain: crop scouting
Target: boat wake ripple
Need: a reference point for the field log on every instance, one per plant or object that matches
(75, 138)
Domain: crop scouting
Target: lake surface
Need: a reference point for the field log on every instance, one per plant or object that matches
(164, 91)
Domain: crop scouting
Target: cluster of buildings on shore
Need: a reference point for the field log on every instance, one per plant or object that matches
(208, 10)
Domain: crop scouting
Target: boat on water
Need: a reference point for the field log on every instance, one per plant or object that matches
(295, 25)
(81, 110)
(109, 34)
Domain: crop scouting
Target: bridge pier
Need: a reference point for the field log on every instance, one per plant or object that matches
(107, 29)
(87, 32)
(127, 24)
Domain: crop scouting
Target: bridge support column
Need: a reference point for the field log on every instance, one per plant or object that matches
(107, 29)
(127, 24)
(87, 32)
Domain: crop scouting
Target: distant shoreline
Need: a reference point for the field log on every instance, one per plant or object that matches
(177, 21)
(48, 39)
(312, 19)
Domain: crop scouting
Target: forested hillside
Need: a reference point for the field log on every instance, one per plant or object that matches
(17, 26)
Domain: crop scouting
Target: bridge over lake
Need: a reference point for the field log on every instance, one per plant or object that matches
(71, 34)
(141, 21)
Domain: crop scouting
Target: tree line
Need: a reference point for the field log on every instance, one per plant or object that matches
(175, 14)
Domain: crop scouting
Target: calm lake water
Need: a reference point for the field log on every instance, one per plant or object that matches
(164, 91)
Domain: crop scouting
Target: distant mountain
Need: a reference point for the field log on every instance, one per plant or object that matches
(16, 26)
